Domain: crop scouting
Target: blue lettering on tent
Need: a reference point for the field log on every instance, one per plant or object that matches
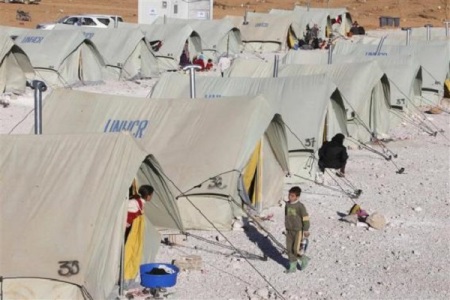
(262, 24)
(88, 35)
(376, 54)
(136, 127)
(212, 96)
(32, 39)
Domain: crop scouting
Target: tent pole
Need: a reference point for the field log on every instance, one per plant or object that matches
(192, 69)
(428, 27)
(38, 87)
(330, 54)
(408, 35)
(122, 265)
(446, 28)
(275, 66)
(245, 16)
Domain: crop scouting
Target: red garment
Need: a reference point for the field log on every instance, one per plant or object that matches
(133, 215)
(209, 66)
(200, 63)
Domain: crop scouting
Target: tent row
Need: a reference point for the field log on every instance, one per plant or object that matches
(280, 30)
(204, 166)
(71, 55)
(210, 159)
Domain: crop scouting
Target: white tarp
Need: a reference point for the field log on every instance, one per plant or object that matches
(265, 32)
(63, 211)
(200, 147)
(306, 57)
(15, 67)
(404, 71)
(218, 36)
(62, 57)
(334, 13)
(363, 86)
(173, 38)
(433, 56)
(126, 52)
(310, 105)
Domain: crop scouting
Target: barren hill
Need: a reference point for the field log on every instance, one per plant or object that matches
(366, 12)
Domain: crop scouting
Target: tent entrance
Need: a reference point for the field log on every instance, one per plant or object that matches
(253, 176)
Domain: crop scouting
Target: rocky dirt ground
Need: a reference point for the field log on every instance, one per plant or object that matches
(411, 12)
(408, 259)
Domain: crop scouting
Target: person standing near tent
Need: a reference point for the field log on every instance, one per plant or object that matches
(297, 228)
(136, 206)
(224, 63)
(333, 155)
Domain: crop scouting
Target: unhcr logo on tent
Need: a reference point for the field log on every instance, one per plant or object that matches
(376, 53)
(88, 35)
(136, 127)
(32, 39)
(262, 24)
(212, 96)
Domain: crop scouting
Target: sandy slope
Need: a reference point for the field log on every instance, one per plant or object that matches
(409, 259)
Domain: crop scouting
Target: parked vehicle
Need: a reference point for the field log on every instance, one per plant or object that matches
(21, 1)
(99, 21)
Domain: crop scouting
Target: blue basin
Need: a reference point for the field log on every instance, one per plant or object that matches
(158, 280)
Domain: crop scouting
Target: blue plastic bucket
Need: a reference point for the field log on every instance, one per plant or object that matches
(158, 280)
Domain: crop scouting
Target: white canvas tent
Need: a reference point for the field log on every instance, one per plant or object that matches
(13, 32)
(267, 32)
(211, 157)
(343, 13)
(306, 57)
(311, 106)
(404, 73)
(62, 57)
(64, 204)
(15, 67)
(363, 86)
(417, 35)
(126, 53)
(433, 56)
(173, 38)
(218, 36)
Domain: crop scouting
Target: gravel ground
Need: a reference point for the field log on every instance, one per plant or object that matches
(408, 259)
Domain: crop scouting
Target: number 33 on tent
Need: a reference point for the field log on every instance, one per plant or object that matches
(68, 267)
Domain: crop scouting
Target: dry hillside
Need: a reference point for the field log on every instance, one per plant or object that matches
(366, 12)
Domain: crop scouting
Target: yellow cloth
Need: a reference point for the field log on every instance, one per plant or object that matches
(250, 172)
(447, 88)
(134, 248)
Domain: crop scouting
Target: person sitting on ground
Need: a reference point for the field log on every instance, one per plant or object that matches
(333, 155)
(323, 44)
(356, 29)
(136, 206)
(209, 65)
(184, 59)
(199, 62)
